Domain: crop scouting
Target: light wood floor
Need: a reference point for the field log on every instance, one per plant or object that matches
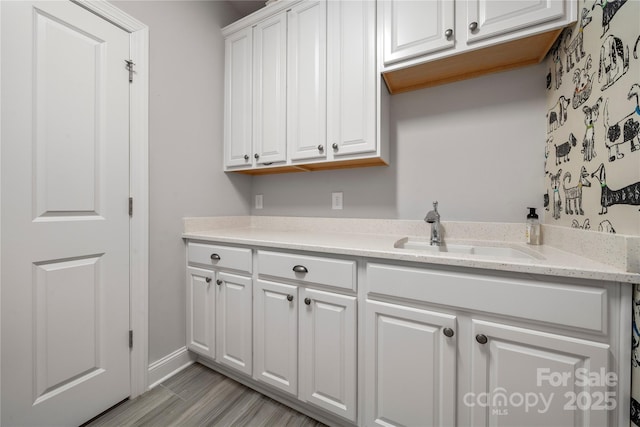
(198, 396)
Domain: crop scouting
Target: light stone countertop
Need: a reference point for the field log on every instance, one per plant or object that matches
(376, 238)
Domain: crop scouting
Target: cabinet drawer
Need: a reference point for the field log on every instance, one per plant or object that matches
(325, 271)
(227, 257)
(550, 302)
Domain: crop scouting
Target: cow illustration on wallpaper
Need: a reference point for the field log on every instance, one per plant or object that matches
(614, 61)
(584, 84)
(557, 115)
(574, 48)
(609, 10)
(629, 195)
(574, 193)
(588, 142)
(556, 201)
(606, 227)
(586, 225)
(624, 130)
(562, 150)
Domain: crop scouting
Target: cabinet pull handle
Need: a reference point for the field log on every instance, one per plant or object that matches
(218, 282)
(300, 269)
(307, 301)
(334, 146)
(448, 332)
(481, 338)
(289, 298)
(473, 27)
(448, 33)
(320, 147)
(246, 157)
(207, 279)
(257, 156)
(215, 257)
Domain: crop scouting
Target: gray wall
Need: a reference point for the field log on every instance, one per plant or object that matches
(185, 148)
(473, 145)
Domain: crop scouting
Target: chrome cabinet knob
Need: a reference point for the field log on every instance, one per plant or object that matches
(307, 301)
(320, 147)
(482, 339)
(215, 257)
(246, 157)
(334, 146)
(289, 298)
(300, 269)
(448, 332)
(448, 33)
(218, 282)
(473, 27)
(257, 156)
(207, 279)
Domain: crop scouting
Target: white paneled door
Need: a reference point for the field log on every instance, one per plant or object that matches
(65, 222)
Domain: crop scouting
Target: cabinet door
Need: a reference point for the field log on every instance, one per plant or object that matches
(496, 17)
(306, 75)
(234, 322)
(410, 371)
(413, 28)
(237, 99)
(201, 303)
(328, 351)
(517, 371)
(270, 90)
(351, 77)
(276, 335)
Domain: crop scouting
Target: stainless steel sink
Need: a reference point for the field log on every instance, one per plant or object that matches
(472, 249)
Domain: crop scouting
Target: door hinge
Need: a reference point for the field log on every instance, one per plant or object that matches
(129, 66)
(130, 206)
(130, 339)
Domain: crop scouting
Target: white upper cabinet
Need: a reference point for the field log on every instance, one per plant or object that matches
(307, 98)
(489, 18)
(413, 28)
(237, 99)
(270, 90)
(307, 80)
(351, 84)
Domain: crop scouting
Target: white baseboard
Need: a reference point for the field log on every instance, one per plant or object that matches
(168, 366)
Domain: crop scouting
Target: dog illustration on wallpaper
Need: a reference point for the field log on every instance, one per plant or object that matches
(588, 142)
(556, 201)
(584, 84)
(562, 150)
(586, 225)
(606, 227)
(629, 195)
(557, 62)
(624, 130)
(609, 10)
(574, 193)
(614, 61)
(557, 115)
(575, 48)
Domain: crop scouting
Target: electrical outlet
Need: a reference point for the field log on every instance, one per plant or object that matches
(336, 200)
(259, 201)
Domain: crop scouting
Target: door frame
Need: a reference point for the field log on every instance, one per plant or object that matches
(138, 187)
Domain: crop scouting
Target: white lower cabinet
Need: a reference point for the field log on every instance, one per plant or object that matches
(524, 377)
(201, 317)
(410, 371)
(305, 344)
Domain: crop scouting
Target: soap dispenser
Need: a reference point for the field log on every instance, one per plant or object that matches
(533, 227)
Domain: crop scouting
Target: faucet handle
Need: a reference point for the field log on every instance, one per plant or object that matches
(435, 206)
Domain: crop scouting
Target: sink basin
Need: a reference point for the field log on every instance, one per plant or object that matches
(424, 245)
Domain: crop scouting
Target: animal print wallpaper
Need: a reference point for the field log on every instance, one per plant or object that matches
(592, 155)
(592, 150)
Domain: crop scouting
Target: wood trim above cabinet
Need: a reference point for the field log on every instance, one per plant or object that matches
(515, 54)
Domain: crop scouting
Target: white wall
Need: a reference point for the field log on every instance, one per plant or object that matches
(473, 145)
(185, 148)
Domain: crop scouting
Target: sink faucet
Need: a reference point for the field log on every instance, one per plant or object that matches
(433, 218)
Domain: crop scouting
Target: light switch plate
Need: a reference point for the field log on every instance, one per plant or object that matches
(259, 201)
(336, 200)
